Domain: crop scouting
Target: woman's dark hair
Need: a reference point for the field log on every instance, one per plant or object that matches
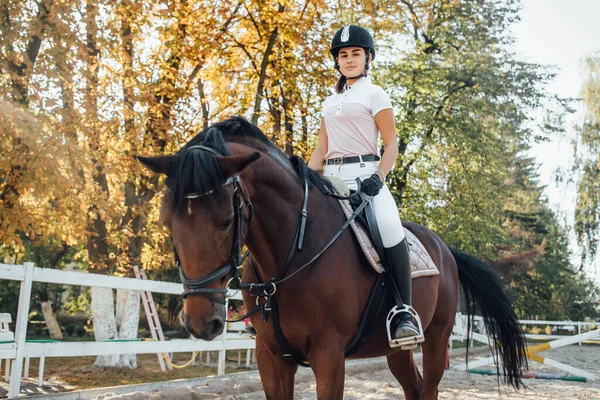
(339, 87)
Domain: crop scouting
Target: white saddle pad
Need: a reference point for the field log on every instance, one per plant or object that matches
(420, 260)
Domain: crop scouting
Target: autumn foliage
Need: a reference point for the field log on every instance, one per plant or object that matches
(86, 85)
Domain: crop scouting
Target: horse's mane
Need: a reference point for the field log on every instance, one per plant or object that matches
(197, 171)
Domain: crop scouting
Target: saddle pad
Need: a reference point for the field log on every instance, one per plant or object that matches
(420, 260)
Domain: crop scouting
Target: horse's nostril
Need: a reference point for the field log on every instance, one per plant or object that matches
(208, 331)
(217, 326)
(209, 328)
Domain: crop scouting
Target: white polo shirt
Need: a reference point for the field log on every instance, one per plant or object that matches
(350, 119)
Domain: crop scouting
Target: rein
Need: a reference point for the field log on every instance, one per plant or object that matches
(262, 291)
(267, 290)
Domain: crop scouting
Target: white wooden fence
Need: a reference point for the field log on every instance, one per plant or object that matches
(569, 328)
(574, 327)
(19, 349)
(593, 333)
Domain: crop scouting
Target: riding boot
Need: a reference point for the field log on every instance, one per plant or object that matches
(400, 272)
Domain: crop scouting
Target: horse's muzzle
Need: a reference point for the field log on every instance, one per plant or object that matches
(208, 329)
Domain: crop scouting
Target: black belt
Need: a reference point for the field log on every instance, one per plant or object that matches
(353, 159)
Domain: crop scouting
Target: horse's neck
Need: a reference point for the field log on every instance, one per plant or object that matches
(277, 214)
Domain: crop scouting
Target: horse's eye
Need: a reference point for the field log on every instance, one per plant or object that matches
(227, 223)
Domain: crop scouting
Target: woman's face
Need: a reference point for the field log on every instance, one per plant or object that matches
(352, 61)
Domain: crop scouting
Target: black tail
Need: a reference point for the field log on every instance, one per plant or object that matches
(484, 293)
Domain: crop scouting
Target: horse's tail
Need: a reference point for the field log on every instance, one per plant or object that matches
(484, 294)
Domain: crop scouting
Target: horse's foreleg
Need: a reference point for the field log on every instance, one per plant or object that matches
(404, 369)
(327, 362)
(276, 374)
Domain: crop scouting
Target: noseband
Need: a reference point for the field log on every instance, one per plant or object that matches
(233, 266)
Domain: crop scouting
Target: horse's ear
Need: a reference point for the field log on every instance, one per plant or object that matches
(232, 165)
(159, 164)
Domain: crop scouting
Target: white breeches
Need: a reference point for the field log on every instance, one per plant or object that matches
(386, 212)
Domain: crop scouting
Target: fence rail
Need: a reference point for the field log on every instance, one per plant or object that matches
(19, 349)
(578, 327)
(478, 329)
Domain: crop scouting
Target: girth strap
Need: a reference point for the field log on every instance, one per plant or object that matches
(366, 326)
(374, 308)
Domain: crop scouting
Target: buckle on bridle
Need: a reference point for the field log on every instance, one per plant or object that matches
(229, 284)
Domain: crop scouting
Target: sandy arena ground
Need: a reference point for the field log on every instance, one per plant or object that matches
(371, 380)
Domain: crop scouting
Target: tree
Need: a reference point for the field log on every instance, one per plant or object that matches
(587, 213)
(534, 259)
(463, 107)
(85, 86)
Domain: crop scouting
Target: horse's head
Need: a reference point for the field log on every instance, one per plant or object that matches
(207, 214)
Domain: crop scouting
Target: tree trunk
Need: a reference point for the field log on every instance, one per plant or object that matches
(124, 326)
(51, 322)
(263, 73)
(128, 317)
(105, 325)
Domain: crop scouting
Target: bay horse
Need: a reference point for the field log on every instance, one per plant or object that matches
(230, 186)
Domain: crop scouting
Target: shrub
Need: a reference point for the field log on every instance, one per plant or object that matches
(80, 330)
(70, 329)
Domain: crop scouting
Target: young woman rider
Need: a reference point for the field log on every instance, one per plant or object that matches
(351, 122)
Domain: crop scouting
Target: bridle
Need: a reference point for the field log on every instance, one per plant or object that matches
(236, 259)
(260, 290)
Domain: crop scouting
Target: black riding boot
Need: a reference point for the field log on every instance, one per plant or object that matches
(400, 272)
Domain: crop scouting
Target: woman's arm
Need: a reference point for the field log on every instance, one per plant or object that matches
(317, 158)
(385, 122)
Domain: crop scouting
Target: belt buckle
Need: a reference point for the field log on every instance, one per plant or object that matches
(338, 161)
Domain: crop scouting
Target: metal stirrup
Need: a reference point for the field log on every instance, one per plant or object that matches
(409, 342)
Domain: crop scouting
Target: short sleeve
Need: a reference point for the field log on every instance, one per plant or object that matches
(380, 100)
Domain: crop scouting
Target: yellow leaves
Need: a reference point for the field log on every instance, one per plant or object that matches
(146, 90)
(33, 177)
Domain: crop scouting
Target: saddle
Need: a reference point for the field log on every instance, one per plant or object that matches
(369, 238)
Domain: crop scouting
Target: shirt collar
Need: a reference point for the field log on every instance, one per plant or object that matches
(365, 80)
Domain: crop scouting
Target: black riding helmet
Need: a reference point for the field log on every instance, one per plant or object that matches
(352, 36)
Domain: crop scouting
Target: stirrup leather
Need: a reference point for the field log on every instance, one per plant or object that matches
(409, 342)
